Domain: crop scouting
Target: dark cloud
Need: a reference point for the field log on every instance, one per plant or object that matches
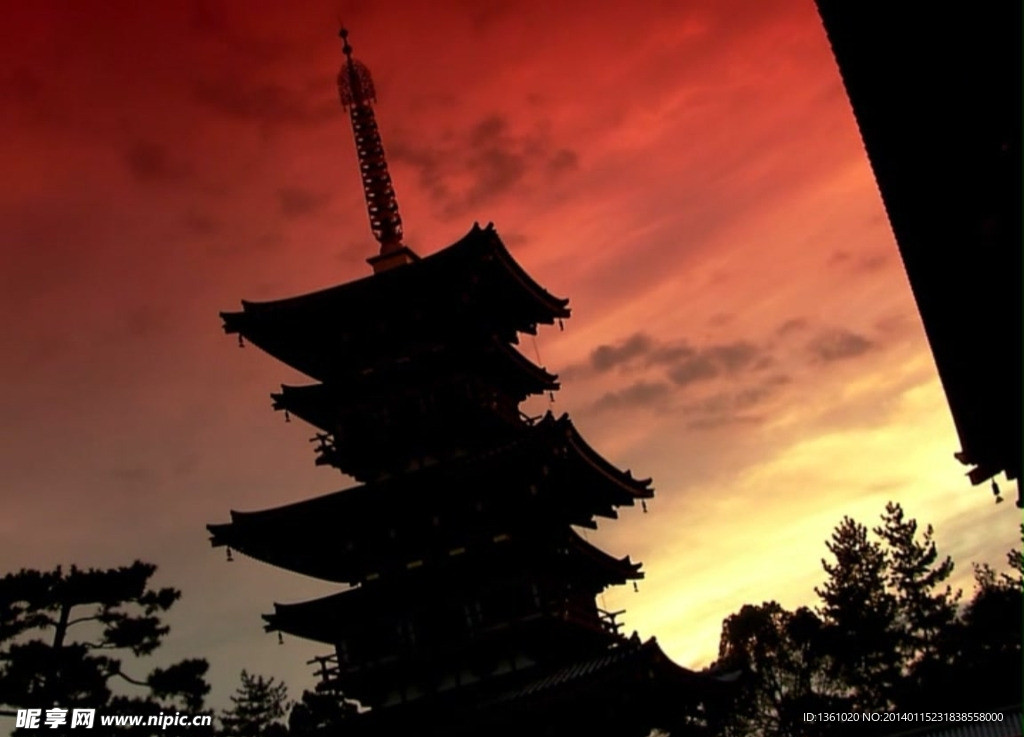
(639, 394)
(864, 262)
(201, 223)
(667, 354)
(683, 367)
(713, 422)
(496, 161)
(564, 159)
(733, 356)
(897, 326)
(606, 357)
(838, 344)
(26, 96)
(151, 162)
(793, 325)
(683, 363)
(488, 160)
(695, 368)
(298, 201)
(266, 104)
(715, 360)
(733, 407)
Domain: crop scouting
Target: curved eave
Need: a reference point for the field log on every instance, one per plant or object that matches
(638, 488)
(319, 620)
(313, 402)
(325, 564)
(620, 668)
(262, 534)
(541, 379)
(556, 306)
(307, 402)
(630, 488)
(466, 257)
(623, 569)
(281, 537)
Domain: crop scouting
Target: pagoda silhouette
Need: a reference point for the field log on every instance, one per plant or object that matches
(470, 601)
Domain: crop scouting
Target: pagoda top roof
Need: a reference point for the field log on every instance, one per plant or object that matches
(476, 278)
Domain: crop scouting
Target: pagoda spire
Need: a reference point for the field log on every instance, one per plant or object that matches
(355, 87)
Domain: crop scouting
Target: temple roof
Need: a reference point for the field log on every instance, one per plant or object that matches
(342, 535)
(629, 657)
(626, 689)
(629, 689)
(473, 286)
(499, 363)
(331, 618)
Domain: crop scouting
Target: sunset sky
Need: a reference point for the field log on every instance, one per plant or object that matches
(689, 174)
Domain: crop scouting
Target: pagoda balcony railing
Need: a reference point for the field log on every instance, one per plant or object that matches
(328, 670)
(324, 448)
(608, 620)
(330, 667)
(593, 618)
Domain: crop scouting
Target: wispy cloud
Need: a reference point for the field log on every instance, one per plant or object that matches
(483, 163)
(838, 345)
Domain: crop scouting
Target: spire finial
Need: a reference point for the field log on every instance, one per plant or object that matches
(346, 48)
(355, 88)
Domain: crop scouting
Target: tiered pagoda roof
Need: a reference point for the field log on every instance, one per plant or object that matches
(469, 585)
(469, 291)
(619, 691)
(548, 475)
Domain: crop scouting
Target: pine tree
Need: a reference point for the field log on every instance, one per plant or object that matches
(925, 607)
(859, 614)
(887, 634)
(62, 635)
(257, 710)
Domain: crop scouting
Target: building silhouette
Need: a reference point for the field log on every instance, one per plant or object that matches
(936, 90)
(470, 605)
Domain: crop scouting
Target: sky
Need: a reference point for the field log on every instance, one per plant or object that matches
(690, 175)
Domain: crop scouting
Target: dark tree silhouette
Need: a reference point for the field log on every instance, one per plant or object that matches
(858, 612)
(785, 671)
(981, 651)
(62, 634)
(319, 715)
(257, 709)
(924, 606)
(888, 634)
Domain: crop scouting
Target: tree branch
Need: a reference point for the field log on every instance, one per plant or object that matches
(93, 618)
(128, 678)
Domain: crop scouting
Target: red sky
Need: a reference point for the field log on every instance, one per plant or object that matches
(689, 174)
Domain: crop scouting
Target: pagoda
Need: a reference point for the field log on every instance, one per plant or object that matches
(468, 605)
